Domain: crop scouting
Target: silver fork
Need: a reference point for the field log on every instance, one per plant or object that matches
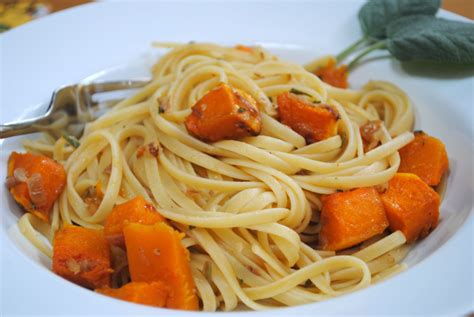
(70, 108)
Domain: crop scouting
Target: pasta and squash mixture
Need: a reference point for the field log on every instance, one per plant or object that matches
(234, 179)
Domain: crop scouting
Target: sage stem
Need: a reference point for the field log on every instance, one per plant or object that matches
(354, 46)
(371, 48)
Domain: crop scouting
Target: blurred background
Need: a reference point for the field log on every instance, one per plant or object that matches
(16, 12)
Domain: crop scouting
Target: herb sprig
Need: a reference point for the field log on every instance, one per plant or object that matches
(409, 30)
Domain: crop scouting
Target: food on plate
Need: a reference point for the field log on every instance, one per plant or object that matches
(235, 178)
(136, 210)
(426, 157)
(411, 206)
(332, 74)
(314, 121)
(82, 256)
(155, 253)
(224, 113)
(153, 293)
(35, 182)
(351, 217)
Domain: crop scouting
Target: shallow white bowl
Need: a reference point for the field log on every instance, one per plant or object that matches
(69, 46)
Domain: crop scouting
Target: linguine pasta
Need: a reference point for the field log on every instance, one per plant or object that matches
(249, 208)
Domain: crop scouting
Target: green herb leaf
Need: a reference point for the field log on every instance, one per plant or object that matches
(72, 140)
(298, 92)
(375, 15)
(241, 110)
(425, 38)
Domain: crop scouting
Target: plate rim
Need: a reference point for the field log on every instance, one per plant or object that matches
(466, 226)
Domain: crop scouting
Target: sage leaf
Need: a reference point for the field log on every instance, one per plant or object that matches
(375, 15)
(425, 38)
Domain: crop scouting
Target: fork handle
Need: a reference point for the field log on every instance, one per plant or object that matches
(25, 127)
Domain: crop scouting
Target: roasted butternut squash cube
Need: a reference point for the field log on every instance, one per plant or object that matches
(82, 256)
(411, 206)
(224, 113)
(333, 75)
(153, 294)
(35, 182)
(349, 218)
(136, 210)
(426, 157)
(313, 122)
(244, 48)
(155, 253)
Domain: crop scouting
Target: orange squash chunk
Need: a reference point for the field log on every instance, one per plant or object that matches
(426, 157)
(348, 218)
(136, 210)
(153, 294)
(155, 253)
(224, 113)
(35, 182)
(82, 256)
(333, 75)
(313, 122)
(244, 48)
(411, 206)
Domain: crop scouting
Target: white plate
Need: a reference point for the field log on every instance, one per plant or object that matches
(68, 46)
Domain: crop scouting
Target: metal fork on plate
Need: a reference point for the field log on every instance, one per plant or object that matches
(70, 108)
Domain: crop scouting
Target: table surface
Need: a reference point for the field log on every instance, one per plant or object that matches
(461, 7)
